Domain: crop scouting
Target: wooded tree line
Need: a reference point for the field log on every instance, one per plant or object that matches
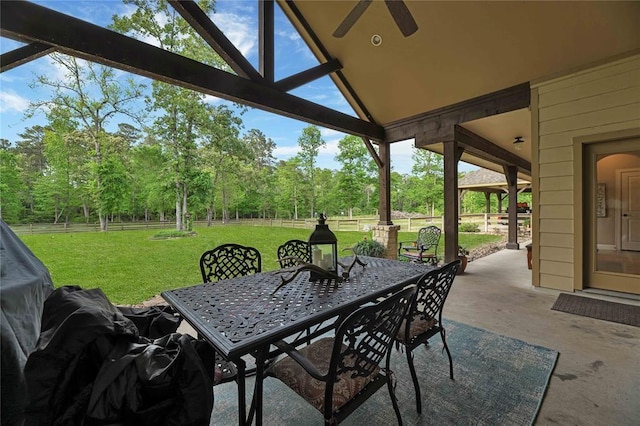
(179, 156)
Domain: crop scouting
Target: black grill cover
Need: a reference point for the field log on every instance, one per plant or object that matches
(25, 283)
(91, 367)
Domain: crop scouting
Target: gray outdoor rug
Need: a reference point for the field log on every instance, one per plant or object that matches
(599, 309)
(498, 381)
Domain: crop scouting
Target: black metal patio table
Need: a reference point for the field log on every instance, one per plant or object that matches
(243, 316)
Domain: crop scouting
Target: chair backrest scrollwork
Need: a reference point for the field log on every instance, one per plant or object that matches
(429, 237)
(363, 340)
(433, 288)
(291, 251)
(229, 261)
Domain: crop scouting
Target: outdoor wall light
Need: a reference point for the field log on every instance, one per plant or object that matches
(324, 249)
(517, 144)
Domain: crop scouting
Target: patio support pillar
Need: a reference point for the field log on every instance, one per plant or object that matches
(387, 235)
(511, 173)
(384, 183)
(452, 154)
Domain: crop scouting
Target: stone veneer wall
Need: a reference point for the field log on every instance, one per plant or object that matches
(387, 235)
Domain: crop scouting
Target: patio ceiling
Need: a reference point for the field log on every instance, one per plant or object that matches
(465, 72)
(461, 51)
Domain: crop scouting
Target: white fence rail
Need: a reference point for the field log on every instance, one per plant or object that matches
(489, 223)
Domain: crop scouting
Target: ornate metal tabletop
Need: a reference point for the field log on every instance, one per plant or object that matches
(242, 314)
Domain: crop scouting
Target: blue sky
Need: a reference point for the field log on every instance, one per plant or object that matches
(239, 21)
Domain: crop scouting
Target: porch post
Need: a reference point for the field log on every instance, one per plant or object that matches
(384, 183)
(452, 154)
(511, 173)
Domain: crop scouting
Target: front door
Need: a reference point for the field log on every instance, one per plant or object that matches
(630, 209)
(612, 214)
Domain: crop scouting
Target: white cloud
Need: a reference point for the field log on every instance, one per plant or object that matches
(238, 30)
(286, 151)
(330, 148)
(330, 133)
(213, 100)
(11, 101)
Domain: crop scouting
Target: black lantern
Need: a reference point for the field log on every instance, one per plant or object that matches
(324, 249)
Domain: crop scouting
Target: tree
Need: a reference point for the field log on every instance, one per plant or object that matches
(288, 179)
(222, 155)
(11, 186)
(93, 95)
(310, 143)
(428, 167)
(31, 156)
(65, 182)
(182, 112)
(150, 182)
(261, 168)
(357, 172)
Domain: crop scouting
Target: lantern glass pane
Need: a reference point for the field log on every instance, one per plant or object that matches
(322, 255)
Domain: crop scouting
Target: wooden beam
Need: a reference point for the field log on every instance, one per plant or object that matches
(511, 173)
(452, 154)
(304, 77)
(384, 185)
(290, 4)
(443, 119)
(266, 39)
(24, 54)
(209, 31)
(75, 37)
(480, 147)
(373, 153)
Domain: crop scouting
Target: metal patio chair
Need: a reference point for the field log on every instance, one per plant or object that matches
(224, 262)
(337, 374)
(291, 251)
(424, 249)
(229, 261)
(424, 317)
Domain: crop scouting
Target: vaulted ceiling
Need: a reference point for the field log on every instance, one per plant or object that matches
(464, 73)
(462, 51)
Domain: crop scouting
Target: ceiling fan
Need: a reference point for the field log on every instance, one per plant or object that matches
(397, 8)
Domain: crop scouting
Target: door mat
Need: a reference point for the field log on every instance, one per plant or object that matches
(599, 309)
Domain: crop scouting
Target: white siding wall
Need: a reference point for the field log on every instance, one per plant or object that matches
(598, 100)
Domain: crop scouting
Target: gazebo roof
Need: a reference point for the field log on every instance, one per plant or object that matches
(484, 180)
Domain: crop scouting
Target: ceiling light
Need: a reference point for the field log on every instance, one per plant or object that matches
(517, 144)
(376, 40)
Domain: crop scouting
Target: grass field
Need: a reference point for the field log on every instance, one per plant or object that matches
(131, 266)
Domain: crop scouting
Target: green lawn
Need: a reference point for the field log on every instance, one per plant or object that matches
(131, 267)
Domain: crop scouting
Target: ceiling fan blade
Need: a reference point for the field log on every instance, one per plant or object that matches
(351, 18)
(402, 16)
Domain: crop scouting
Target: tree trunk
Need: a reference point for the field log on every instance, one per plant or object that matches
(295, 202)
(184, 207)
(178, 207)
(103, 222)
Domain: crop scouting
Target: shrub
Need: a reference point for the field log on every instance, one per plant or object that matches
(468, 227)
(166, 234)
(369, 248)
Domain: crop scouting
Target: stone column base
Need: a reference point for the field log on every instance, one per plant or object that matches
(387, 235)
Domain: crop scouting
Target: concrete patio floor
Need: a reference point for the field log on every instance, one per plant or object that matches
(597, 377)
